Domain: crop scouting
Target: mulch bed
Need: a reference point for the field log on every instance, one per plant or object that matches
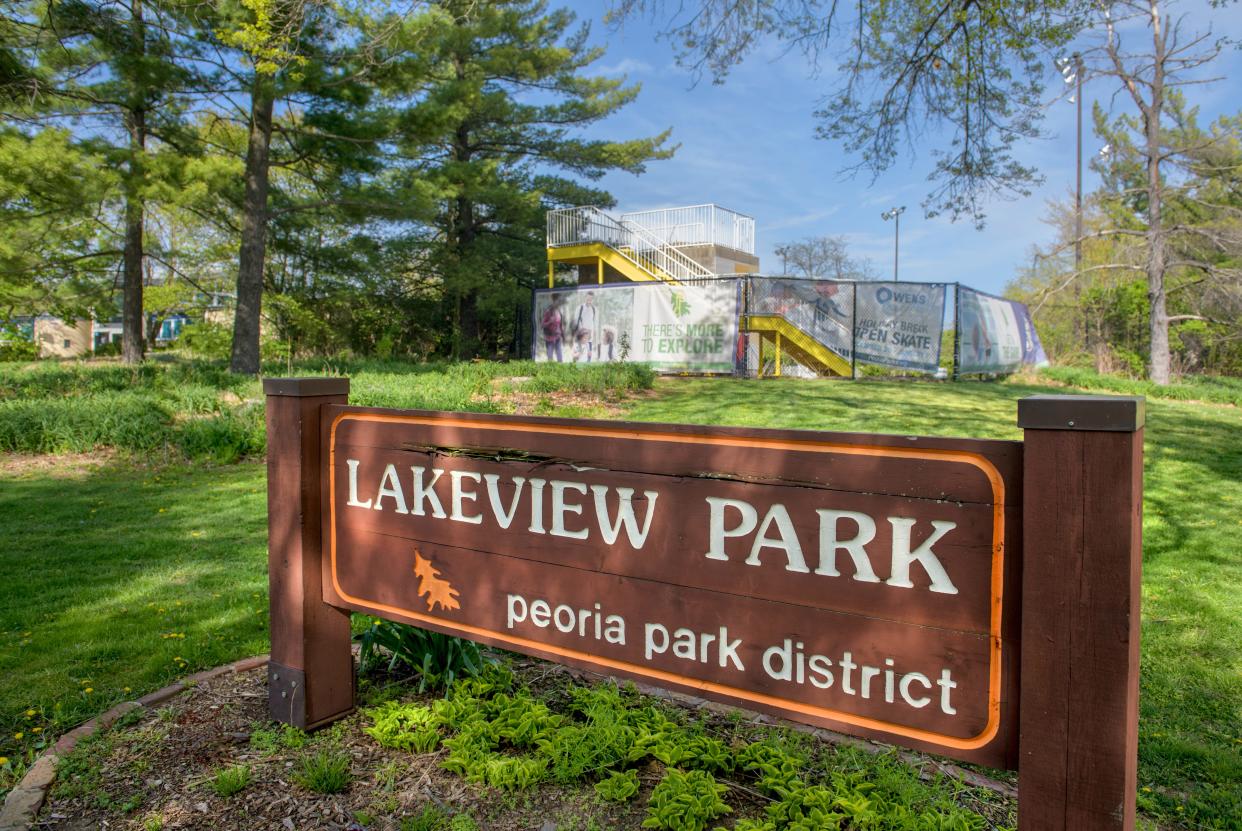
(153, 771)
(155, 774)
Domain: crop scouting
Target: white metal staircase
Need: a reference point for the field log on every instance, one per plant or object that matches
(654, 254)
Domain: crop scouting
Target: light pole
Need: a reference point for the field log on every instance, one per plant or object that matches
(895, 215)
(1071, 72)
(783, 253)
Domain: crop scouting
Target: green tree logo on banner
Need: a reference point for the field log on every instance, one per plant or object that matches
(681, 306)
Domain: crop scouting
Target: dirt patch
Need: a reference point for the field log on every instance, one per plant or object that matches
(505, 394)
(55, 465)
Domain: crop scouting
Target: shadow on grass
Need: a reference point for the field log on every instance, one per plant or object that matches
(119, 579)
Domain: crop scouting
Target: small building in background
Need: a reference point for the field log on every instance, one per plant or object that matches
(56, 338)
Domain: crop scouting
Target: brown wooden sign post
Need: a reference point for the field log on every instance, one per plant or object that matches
(1083, 485)
(871, 584)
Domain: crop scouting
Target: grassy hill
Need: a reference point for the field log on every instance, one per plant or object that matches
(133, 556)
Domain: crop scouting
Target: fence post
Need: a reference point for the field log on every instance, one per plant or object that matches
(311, 672)
(957, 327)
(1082, 550)
(854, 332)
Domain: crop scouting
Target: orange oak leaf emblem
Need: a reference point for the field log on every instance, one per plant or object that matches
(438, 590)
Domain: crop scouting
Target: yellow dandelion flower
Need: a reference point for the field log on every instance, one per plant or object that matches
(125, 689)
(17, 737)
(36, 729)
(30, 714)
(4, 760)
(89, 690)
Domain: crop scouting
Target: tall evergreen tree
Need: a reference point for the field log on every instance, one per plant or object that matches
(490, 113)
(309, 124)
(116, 74)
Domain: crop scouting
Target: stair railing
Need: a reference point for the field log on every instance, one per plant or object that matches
(661, 261)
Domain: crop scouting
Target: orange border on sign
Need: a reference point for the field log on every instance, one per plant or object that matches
(974, 459)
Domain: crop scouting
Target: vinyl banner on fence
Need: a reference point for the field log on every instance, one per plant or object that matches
(822, 309)
(995, 335)
(672, 328)
(899, 324)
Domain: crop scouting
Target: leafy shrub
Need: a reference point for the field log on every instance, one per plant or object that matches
(437, 660)
(511, 740)
(619, 787)
(213, 341)
(325, 771)
(686, 802)
(776, 769)
(226, 437)
(16, 348)
(463, 822)
(230, 780)
(410, 727)
(78, 425)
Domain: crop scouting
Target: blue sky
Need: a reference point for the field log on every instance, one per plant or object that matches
(748, 145)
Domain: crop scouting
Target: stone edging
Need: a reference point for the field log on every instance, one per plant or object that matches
(26, 798)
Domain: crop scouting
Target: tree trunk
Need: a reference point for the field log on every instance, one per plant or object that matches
(459, 240)
(132, 329)
(1158, 366)
(132, 346)
(155, 322)
(245, 358)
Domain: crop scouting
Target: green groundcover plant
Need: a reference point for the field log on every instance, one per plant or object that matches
(493, 732)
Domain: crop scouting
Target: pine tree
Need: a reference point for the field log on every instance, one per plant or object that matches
(489, 111)
(117, 75)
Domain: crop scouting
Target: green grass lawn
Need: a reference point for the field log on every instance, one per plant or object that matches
(107, 566)
(118, 579)
(1190, 729)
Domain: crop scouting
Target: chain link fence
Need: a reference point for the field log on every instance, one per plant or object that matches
(832, 326)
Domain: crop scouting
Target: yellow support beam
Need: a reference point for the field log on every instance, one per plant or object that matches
(600, 269)
(551, 273)
(778, 353)
(798, 344)
(597, 253)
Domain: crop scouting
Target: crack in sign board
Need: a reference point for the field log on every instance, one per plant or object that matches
(877, 611)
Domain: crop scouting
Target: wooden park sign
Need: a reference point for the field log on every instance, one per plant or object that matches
(967, 597)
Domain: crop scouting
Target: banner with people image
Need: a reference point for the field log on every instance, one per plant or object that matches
(672, 328)
(995, 335)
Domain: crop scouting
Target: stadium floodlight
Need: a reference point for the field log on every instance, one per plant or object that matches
(895, 215)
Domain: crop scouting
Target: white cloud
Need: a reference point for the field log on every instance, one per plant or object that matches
(627, 66)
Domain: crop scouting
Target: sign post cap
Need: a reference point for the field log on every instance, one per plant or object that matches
(1110, 413)
(305, 387)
